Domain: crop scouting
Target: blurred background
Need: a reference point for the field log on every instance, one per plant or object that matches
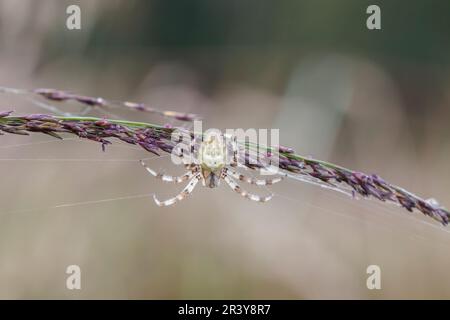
(374, 101)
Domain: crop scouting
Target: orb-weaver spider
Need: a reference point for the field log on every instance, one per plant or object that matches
(210, 165)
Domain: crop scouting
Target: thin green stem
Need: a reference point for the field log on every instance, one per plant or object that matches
(121, 122)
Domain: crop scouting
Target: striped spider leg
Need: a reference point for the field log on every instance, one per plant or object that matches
(192, 174)
(259, 182)
(188, 175)
(235, 151)
(237, 188)
(183, 194)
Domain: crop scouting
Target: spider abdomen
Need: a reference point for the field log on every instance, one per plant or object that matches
(212, 154)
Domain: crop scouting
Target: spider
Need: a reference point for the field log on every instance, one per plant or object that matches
(210, 166)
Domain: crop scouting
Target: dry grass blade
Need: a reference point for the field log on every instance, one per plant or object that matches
(98, 102)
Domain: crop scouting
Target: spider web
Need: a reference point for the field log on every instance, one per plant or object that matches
(382, 211)
(381, 214)
(86, 110)
(70, 160)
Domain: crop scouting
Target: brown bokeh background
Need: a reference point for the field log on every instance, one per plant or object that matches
(374, 101)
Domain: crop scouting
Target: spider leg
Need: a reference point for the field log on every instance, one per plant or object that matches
(233, 185)
(258, 182)
(183, 194)
(235, 149)
(168, 178)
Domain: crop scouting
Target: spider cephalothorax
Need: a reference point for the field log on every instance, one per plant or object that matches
(210, 163)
